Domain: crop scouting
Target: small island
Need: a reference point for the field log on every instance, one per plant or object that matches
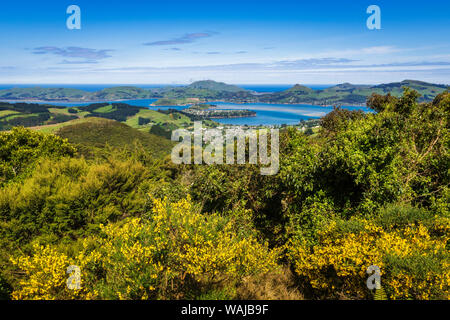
(165, 102)
(219, 113)
(202, 106)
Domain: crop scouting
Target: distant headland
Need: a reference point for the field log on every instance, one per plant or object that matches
(210, 91)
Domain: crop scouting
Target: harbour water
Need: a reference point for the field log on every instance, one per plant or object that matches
(266, 114)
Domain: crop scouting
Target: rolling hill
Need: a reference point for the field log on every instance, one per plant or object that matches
(347, 93)
(209, 90)
(97, 133)
(214, 86)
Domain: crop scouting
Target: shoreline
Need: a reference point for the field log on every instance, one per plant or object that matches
(184, 105)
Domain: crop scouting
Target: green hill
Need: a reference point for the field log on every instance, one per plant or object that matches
(214, 86)
(208, 90)
(298, 89)
(117, 93)
(49, 94)
(427, 90)
(69, 94)
(97, 133)
(347, 93)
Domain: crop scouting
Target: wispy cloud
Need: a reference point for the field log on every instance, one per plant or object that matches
(74, 52)
(220, 52)
(187, 38)
(78, 62)
(330, 64)
(311, 62)
(375, 50)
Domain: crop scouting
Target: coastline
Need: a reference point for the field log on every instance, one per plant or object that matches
(181, 105)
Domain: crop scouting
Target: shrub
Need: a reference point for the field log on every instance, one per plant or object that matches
(45, 276)
(176, 253)
(414, 260)
(20, 148)
(65, 197)
(143, 121)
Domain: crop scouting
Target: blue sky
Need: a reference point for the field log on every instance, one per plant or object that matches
(144, 42)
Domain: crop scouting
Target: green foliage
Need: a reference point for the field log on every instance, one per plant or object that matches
(93, 136)
(394, 216)
(143, 121)
(379, 102)
(65, 196)
(5, 289)
(380, 294)
(339, 118)
(59, 118)
(26, 120)
(161, 130)
(114, 111)
(21, 148)
(24, 107)
(241, 191)
(397, 155)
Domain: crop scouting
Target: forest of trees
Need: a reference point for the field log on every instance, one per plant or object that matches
(368, 189)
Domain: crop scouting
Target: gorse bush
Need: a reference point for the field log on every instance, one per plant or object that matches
(20, 148)
(65, 196)
(45, 276)
(413, 258)
(177, 253)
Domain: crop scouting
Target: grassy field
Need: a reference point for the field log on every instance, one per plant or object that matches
(52, 128)
(18, 115)
(156, 117)
(59, 111)
(5, 113)
(106, 109)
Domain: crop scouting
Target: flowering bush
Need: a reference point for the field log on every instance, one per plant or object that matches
(413, 259)
(176, 253)
(45, 276)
